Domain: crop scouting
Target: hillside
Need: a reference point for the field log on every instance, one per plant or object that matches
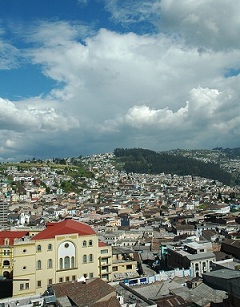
(140, 160)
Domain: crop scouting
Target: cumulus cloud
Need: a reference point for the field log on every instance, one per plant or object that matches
(200, 23)
(203, 23)
(116, 71)
(35, 119)
(202, 120)
(173, 87)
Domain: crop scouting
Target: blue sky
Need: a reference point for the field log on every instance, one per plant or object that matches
(79, 77)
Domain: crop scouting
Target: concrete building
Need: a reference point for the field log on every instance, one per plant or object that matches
(197, 257)
(3, 213)
(226, 280)
(123, 264)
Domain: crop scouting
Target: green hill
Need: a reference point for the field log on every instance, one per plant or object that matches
(138, 160)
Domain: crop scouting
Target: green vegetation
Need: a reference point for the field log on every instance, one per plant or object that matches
(231, 153)
(72, 170)
(139, 160)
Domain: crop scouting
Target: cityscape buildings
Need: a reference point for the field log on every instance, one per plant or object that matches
(128, 230)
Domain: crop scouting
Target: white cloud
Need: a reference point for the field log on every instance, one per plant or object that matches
(148, 78)
(116, 71)
(204, 119)
(203, 23)
(27, 118)
(127, 12)
(155, 90)
(8, 56)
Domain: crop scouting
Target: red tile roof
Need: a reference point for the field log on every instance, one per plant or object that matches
(101, 244)
(11, 235)
(66, 226)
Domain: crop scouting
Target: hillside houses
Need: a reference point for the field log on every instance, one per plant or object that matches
(164, 222)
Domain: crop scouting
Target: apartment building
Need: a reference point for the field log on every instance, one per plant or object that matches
(3, 213)
(123, 264)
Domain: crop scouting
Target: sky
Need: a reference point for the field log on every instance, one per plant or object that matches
(82, 77)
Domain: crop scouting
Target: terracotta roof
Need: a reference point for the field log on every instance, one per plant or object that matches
(101, 244)
(93, 293)
(11, 235)
(67, 226)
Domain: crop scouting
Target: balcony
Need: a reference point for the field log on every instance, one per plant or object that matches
(105, 264)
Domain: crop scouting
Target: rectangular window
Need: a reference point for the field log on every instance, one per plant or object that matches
(129, 266)
(90, 275)
(50, 281)
(60, 279)
(21, 286)
(39, 284)
(39, 248)
(67, 278)
(27, 285)
(104, 251)
(114, 268)
(73, 277)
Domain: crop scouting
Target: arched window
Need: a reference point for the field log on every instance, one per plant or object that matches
(66, 255)
(49, 247)
(66, 263)
(50, 264)
(39, 265)
(39, 248)
(6, 262)
(6, 274)
(84, 258)
(61, 263)
(72, 262)
(90, 243)
(90, 258)
(84, 244)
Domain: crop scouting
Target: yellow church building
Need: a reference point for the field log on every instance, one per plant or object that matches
(64, 251)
